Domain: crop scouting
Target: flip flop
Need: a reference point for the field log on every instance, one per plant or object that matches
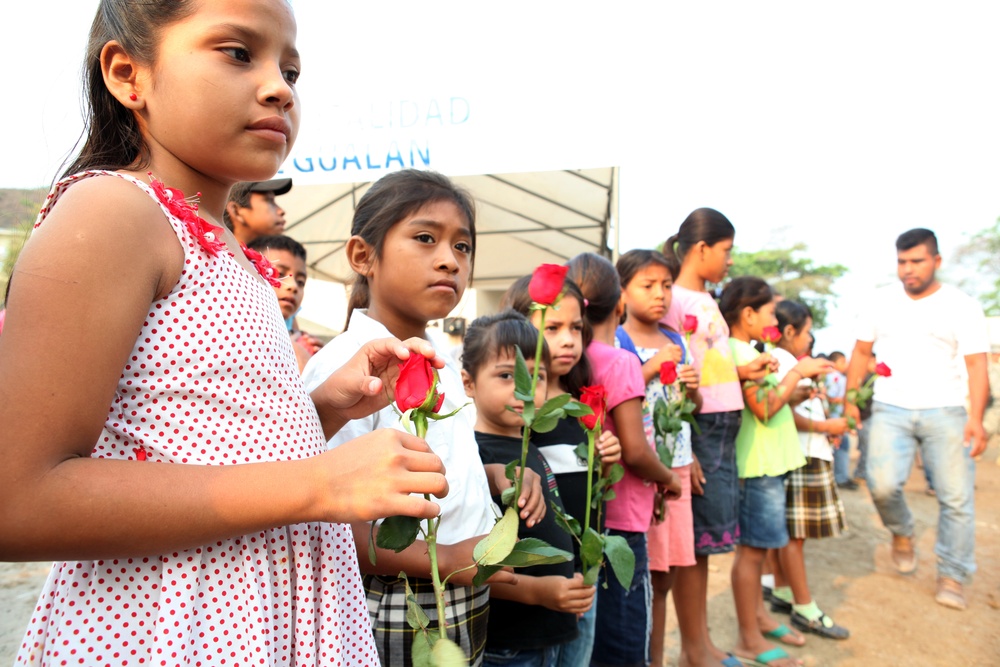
(782, 632)
(731, 661)
(766, 658)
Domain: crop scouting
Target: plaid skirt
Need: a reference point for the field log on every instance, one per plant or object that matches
(467, 609)
(812, 505)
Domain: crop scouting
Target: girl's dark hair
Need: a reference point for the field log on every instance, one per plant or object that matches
(598, 280)
(792, 312)
(634, 261)
(388, 201)
(743, 292)
(517, 297)
(111, 137)
(702, 224)
(490, 335)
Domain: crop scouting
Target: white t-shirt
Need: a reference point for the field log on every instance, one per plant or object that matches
(814, 445)
(924, 342)
(468, 509)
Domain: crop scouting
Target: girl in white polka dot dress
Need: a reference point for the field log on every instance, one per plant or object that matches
(156, 437)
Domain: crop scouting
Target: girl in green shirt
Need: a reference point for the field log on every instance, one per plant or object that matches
(767, 448)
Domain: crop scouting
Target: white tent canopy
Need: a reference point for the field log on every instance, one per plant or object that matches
(523, 220)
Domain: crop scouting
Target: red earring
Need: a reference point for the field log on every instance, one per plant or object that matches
(133, 96)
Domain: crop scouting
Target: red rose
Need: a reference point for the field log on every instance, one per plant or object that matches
(596, 399)
(547, 283)
(770, 335)
(668, 372)
(690, 324)
(416, 386)
(882, 370)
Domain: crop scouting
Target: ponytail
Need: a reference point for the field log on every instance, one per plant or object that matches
(670, 247)
(702, 224)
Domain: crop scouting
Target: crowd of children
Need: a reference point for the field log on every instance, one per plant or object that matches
(170, 553)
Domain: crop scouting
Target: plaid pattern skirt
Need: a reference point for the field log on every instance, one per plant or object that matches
(812, 504)
(467, 609)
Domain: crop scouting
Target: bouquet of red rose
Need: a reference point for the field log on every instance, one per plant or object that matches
(864, 393)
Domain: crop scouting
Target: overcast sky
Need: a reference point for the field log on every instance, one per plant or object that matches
(838, 125)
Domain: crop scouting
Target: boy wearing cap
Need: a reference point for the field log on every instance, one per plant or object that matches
(251, 211)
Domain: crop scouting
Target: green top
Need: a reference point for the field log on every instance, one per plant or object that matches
(769, 449)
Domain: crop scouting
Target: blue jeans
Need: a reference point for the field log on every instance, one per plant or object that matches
(577, 652)
(894, 437)
(538, 657)
(842, 461)
(624, 617)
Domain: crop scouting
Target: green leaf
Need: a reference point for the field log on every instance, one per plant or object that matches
(581, 451)
(616, 473)
(522, 377)
(397, 532)
(621, 558)
(446, 653)
(371, 544)
(565, 521)
(484, 572)
(422, 650)
(545, 423)
(591, 547)
(577, 409)
(554, 404)
(510, 470)
(609, 495)
(507, 497)
(494, 547)
(416, 617)
(591, 575)
(533, 551)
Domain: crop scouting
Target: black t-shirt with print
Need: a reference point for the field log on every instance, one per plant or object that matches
(513, 625)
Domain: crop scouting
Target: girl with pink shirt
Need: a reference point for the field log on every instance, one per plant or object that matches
(703, 245)
(631, 511)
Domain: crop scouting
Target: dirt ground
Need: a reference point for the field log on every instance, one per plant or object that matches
(893, 619)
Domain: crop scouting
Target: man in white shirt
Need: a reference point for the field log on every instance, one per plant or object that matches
(934, 339)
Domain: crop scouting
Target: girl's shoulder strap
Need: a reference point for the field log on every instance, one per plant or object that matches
(60, 188)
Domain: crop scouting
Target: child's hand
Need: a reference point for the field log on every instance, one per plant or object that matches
(668, 352)
(672, 490)
(454, 557)
(382, 473)
(756, 370)
(364, 385)
(568, 595)
(688, 376)
(697, 478)
(799, 394)
(531, 504)
(609, 447)
(811, 367)
(837, 426)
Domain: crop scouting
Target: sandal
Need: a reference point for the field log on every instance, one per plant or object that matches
(783, 634)
(822, 626)
(766, 658)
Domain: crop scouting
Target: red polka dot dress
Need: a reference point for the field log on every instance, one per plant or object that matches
(212, 380)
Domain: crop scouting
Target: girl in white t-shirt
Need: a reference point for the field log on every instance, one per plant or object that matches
(813, 507)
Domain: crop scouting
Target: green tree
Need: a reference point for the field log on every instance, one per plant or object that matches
(792, 275)
(983, 252)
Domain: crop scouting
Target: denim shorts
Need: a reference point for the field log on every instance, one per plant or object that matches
(715, 514)
(763, 524)
(624, 617)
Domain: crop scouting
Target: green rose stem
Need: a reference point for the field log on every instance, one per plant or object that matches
(430, 535)
(590, 477)
(526, 430)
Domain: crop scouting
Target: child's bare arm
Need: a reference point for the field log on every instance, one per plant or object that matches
(80, 294)
(415, 561)
(568, 595)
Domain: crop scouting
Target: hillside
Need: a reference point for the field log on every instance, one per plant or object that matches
(19, 207)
